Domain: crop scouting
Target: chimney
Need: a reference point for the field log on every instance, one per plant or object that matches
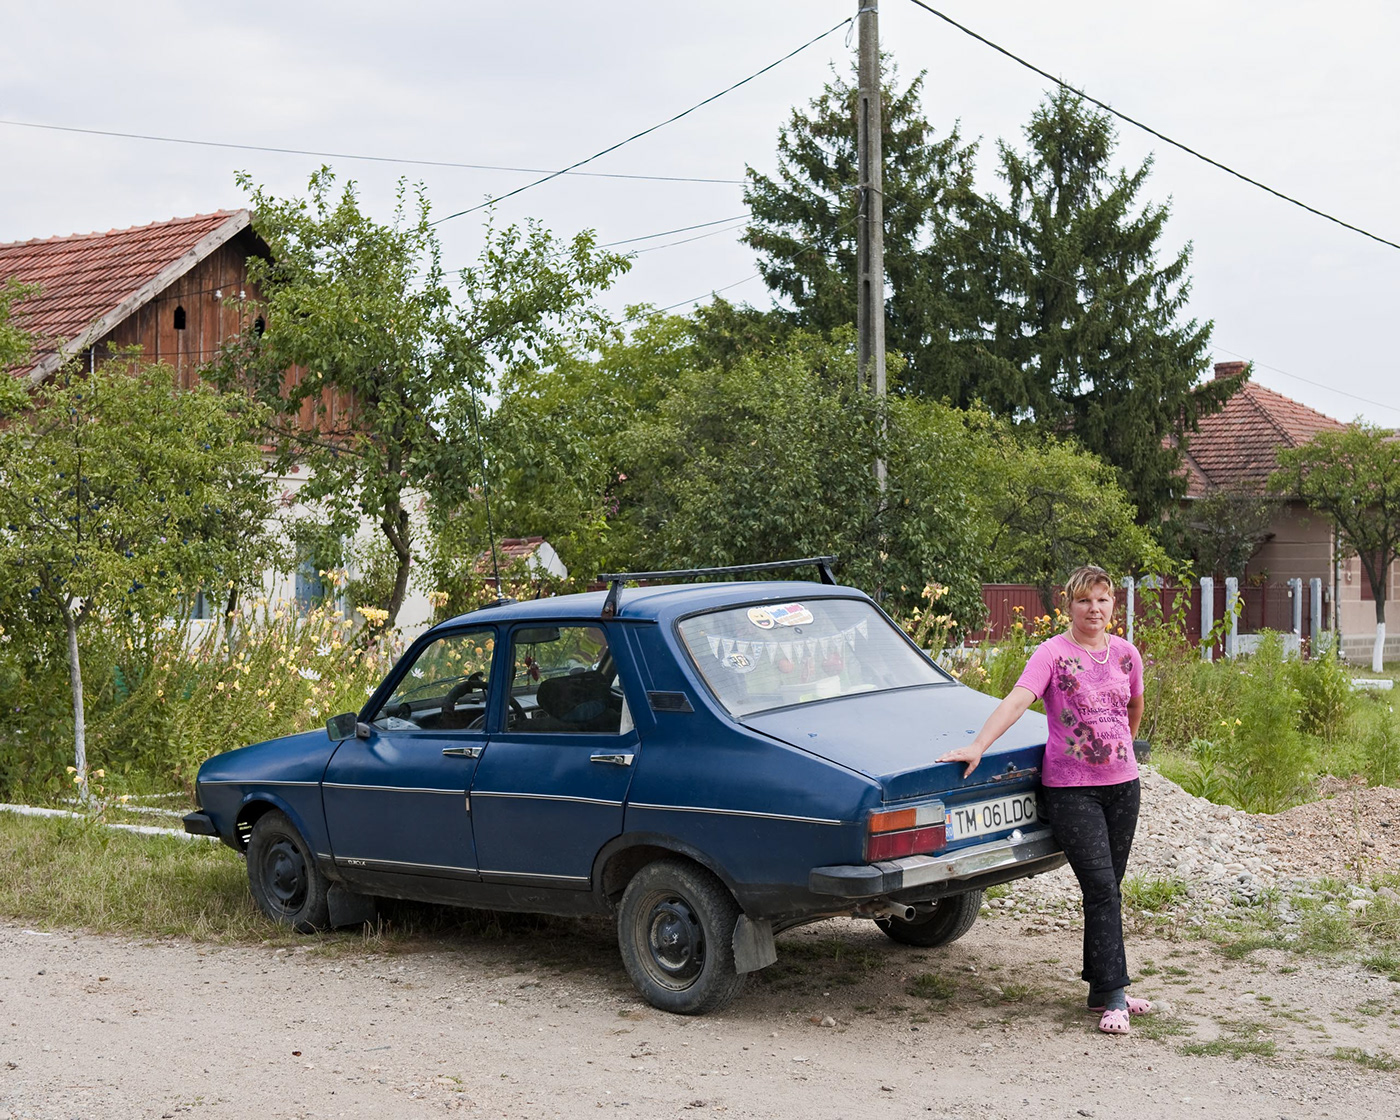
(1229, 369)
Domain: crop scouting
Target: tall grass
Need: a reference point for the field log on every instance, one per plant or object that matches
(162, 698)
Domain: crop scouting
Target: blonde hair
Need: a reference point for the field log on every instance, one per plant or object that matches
(1085, 579)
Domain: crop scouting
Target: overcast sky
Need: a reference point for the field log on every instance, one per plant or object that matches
(1301, 95)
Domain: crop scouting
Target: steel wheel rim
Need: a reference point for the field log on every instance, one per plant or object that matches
(674, 941)
(285, 875)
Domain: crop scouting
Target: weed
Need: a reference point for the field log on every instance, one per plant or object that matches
(1380, 1061)
(1238, 1039)
(931, 986)
(1158, 1026)
(1145, 893)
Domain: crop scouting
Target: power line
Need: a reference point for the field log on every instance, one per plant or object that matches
(1306, 381)
(1152, 131)
(646, 131)
(688, 240)
(357, 156)
(692, 299)
(668, 232)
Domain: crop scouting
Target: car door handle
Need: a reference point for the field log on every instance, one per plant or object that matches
(612, 759)
(463, 752)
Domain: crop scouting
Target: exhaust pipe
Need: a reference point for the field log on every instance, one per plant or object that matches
(887, 910)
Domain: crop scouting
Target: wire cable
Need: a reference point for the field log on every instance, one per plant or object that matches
(646, 131)
(358, 156)
(1306, 381)
(668, 232)
(1152, 131)
(687, 240)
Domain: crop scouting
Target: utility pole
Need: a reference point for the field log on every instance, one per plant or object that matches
(870, 244)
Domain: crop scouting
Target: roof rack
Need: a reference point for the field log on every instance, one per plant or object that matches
(615, 580)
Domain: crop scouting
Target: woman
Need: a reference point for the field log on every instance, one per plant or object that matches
(1091, 682)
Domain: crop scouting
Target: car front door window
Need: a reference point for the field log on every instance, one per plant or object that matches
(445, 688)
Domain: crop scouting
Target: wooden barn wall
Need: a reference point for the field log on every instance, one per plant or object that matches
(209, 322)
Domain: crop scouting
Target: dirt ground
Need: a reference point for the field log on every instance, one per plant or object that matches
(536, 1019)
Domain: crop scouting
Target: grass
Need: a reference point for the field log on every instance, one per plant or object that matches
(1239, 1038)
(69, 872)
(931, 986)
(1143, 892)
(1371, 1060)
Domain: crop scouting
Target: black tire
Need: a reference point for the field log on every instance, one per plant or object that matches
(950, 918)
(286, 884)
(675, 928)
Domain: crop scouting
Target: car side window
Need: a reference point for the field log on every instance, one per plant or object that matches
(445, 688)
(564, 681)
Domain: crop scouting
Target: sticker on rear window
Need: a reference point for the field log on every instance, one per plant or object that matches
(739, 663)
(779, 614)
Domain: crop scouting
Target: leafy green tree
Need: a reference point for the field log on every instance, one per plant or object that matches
(15, 343)
(389, 360)
(769, 457)
(1052, 507)
(1087, 332)
(122, 493)
(1220, 532)
(805, 221)
(1353, 476)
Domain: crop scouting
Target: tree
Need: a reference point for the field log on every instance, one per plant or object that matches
(389, 361)
(15, 342)
(1353, 476)
(120, 494)
(1220, 532)
(805, 220)
(1087, 331)
(1053, 507)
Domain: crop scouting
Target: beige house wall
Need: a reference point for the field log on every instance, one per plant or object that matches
(1300, 547)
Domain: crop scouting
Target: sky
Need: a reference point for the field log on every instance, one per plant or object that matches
(1299, 95)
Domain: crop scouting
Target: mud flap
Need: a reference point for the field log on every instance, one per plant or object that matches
(348, 908)
(753, 945)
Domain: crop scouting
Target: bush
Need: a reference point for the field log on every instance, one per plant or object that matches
(1256, 760)
(1380, 750)
(1327, 698)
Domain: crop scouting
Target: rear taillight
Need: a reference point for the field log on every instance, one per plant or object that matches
(905, 832)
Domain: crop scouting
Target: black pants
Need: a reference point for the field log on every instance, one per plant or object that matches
(1095, 826)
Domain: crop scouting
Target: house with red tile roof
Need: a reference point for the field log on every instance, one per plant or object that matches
(178, 289)
(1234, 451)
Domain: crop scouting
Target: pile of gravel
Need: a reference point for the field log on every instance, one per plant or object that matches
(1225, 856)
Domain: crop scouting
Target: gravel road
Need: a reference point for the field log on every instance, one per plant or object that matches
(539, 1021)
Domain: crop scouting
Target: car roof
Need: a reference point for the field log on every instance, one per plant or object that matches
(655, 604)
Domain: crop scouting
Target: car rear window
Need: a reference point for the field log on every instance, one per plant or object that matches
(777, 654)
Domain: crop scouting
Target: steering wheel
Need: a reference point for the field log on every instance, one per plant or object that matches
(516, 709)
(471, 684)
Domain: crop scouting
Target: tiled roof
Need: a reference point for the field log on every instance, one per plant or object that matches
(90, 281)
(509, 550)
(1236, 449)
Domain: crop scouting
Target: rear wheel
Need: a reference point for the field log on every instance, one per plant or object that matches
(675, 929)
(950, 918)
(284, 879)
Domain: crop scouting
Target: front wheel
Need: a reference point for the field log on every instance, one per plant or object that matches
(286, 884)
(675, 929)
(950, 918)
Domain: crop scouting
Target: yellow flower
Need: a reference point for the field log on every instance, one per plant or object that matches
(1238, 722)
(272, 705)
(99, 773)
(72, 769)
(220, 686)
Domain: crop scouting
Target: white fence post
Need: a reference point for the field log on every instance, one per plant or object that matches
(1295, 592)
(1207, 616)
(1130, 584)
(1232, 599)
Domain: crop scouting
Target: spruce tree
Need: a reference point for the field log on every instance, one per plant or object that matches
(1087, 336)
(805, 220)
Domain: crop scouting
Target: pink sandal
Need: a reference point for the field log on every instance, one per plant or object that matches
(1135, 1007)
(1115, 1021)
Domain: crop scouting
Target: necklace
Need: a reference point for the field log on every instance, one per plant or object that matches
(1096, 660)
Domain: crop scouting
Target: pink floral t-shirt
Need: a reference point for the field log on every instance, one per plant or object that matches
(1086, 704)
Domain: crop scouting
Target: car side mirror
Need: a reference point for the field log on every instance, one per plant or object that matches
(346, 726)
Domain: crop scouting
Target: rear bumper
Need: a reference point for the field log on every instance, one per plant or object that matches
(998, 861)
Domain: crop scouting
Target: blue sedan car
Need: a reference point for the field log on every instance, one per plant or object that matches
(712, 763)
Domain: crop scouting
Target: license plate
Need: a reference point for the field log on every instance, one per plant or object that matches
(983, 817)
